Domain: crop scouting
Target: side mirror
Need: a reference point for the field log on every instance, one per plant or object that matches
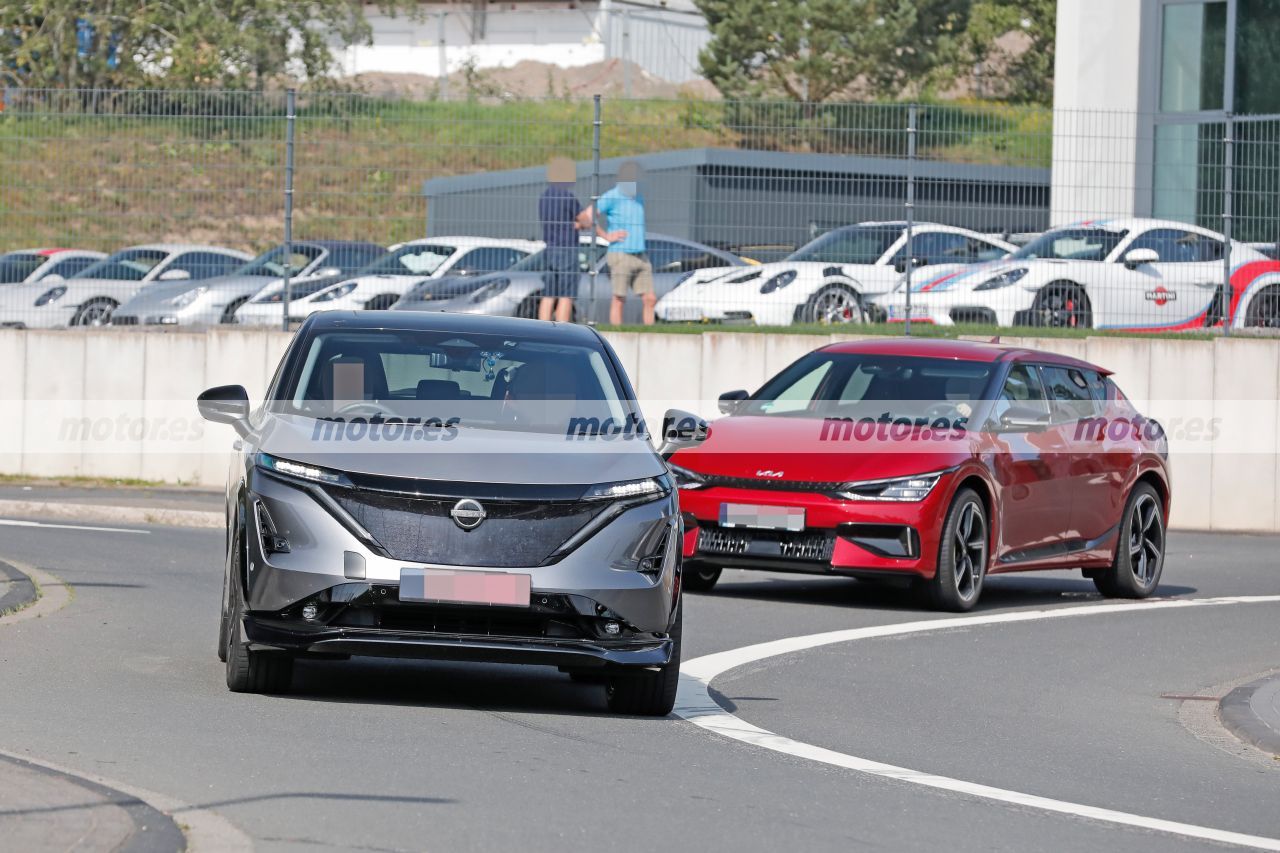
(175, 275)
(902, 263)
(731, 400)
(1023, 419)
(1135, 258)
(325, 272)
(226, 404)
(681, 429)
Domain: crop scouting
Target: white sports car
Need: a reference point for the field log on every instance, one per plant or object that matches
(829, 280)
(1139, 274)
(383, 282)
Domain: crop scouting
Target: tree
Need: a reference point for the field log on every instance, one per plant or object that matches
(817, 50)
(1012, 42)
(178, 43)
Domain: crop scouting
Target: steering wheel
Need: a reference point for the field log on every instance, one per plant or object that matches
(947, 410)
(363, 407)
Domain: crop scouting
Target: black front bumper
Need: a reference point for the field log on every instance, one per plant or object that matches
(270, 634)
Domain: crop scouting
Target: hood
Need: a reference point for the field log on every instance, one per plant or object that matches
(455, 286)
(464, 455)
(809, 449)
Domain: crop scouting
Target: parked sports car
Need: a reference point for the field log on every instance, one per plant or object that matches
(182, 303)
(829, 280)
(515, 292)
(936, 462)
(407, 491)
(1138, 274)
(383, 282)
(89, 297)
(26, 265)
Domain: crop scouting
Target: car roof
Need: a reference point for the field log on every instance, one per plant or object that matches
(1135, 223)
(183, 247)
(337, 244)
(443, 321)
(461, 240)
(989, 351)
(48, 253)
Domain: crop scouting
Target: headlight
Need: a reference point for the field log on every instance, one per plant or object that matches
(652, 487)
(53, 294)
(490, 289)
(778, 282)
(182, 300)
(914, 488)
(686, 479)
(301, 471)
(334, 292)
(1004, 279)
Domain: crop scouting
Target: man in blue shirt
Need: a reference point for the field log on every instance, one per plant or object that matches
(629, 268)
(558, 208)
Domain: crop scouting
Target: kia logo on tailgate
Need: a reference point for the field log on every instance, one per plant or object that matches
(467, 514)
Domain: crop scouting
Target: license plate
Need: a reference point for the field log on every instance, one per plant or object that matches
(683, 312)
(762, 517)
(441, 585)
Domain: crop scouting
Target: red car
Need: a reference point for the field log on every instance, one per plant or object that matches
(938, 461)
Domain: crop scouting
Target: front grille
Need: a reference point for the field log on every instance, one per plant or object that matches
(420, 530)
(124, 320)
(478, 622)
(770, 485)
(814, 546)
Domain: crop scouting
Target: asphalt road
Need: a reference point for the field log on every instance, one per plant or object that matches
(389, 755)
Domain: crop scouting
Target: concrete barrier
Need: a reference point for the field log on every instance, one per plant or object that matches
(88, 378)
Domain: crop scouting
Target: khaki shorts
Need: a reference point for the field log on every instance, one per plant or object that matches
(629, 273)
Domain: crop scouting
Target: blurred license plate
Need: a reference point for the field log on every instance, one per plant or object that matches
(464, 587)
(763, 517)
(683, 312)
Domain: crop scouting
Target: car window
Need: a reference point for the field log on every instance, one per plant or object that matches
(487, 259)
(981, 250)
(939, 247)
(418, 259)
(1021, 389)
(1072, 244)
(125, 265)
(70, 267)
(797, 395)
(352, 257)
(270, 264)
(16, 266)
(205, 264)
(862, 244)
(1175, 245)
(1069, 395)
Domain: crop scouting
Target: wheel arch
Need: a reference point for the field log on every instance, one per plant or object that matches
(1157, 482)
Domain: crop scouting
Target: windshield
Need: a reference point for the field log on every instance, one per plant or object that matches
(271, 264)
(125, 265)
(867, 385)
(862, 244)
(1071, 244)
(16, 266)
(521, 383)
(411, 260)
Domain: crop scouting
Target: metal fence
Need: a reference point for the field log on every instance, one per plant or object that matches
(756, 212)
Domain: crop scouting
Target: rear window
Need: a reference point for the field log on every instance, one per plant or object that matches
(16, 266)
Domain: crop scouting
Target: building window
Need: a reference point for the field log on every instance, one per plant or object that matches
(1257, 58)
(1193, 57)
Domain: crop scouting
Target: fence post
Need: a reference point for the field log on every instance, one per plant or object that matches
(1228, 178)
(910, 206)
(289, 117)
(595, 201)
(442, 57)
(626, 53)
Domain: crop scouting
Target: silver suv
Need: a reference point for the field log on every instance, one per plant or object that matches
(451, 487)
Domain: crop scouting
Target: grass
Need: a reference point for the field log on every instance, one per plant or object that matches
(211, 168)
(87, 482)
(919, 330)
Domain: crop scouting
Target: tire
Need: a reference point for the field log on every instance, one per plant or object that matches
(95, 312)
(381, 302)
(528, 307)
(649, 694)
(1139, 561)
(229, 313)
(224, 621)
(250, 671)
(1264, 310)
(1061, 305)
(962, 555)
(834, 304)
(699, 577)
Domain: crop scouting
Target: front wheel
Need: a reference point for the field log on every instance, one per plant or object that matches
(649, 694)
(962, 555)
(1062, 305)
(698, 577)
(95, 312)
(250, 671)
(834, 303)
(1139, 560)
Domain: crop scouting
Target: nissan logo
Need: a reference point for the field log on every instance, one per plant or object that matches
(467, 514)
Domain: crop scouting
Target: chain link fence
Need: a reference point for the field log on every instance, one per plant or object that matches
(765, 214)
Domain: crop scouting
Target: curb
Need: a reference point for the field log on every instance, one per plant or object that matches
(116, 514)
(1239, 718)
(21, 589)
(153, 830)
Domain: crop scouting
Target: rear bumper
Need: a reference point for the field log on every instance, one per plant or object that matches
(268, 634)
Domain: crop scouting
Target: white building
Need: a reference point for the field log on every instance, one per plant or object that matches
(1142, 93)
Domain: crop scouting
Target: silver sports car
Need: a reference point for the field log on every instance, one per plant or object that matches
(452, 487)
(515, 292)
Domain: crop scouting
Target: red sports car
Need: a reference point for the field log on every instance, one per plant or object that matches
(939, 461)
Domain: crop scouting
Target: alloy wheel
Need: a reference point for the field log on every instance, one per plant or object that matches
(970, 551)
(836, 305)
(1146, 539)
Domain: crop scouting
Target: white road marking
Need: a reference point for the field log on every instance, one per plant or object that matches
(694, 703)
(16, 522)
